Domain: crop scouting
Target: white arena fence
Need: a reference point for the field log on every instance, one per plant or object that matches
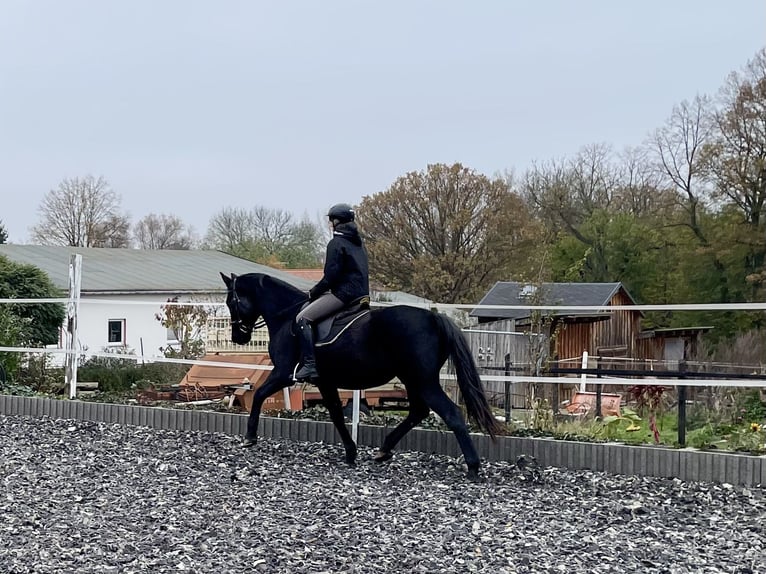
(689, 381)
(73, 353)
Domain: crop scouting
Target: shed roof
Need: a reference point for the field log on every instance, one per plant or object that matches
(106, 270)
(570, 294)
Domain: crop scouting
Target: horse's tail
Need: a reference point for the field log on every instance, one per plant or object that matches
(468, 379)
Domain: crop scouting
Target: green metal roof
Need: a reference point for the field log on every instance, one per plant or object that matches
(141, 270)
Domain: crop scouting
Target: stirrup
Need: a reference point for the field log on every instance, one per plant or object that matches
(306, 377)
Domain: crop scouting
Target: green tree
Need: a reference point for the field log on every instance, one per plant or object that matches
(36, 323)
(3, 233)
(605, 211)
(447, 233)
(9, 337)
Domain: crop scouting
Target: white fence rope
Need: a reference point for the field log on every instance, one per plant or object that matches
(513, 379)
(585, 308)
(136, 358)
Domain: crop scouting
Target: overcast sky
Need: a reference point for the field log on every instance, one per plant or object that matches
(187, 107)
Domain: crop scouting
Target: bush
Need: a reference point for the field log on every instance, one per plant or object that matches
(112, 374)
(116, 375)
(749, 407)
(36, 373)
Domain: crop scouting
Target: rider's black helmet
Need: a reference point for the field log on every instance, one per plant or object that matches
(341, 212)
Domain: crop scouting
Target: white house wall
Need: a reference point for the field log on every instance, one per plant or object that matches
(141, 328)
(144, 334)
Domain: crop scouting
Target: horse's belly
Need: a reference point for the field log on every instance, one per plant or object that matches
(354, 376)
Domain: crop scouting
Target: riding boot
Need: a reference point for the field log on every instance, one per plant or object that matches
(308, 369)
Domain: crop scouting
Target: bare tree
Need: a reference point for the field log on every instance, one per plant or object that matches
(162, 232)
(677, 149)
(273, 227)
(639, 192)
(566, 193)
(269, 236)
(229, 228)
(736, 156)
(595, 177)
(82, 212)
(114, 232)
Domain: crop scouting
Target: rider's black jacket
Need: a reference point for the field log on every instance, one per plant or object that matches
(346, 273)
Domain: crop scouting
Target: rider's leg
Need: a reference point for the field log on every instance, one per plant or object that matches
(325, 305)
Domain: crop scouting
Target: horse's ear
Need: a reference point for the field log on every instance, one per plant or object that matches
(226, 279)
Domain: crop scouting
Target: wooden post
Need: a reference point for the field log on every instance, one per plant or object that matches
(72, 310)
(682, 405)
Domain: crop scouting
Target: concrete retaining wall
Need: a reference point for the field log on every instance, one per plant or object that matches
(685, 464)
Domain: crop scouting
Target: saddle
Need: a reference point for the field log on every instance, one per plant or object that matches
(329, 329)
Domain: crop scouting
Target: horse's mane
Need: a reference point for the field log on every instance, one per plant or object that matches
(264, 278)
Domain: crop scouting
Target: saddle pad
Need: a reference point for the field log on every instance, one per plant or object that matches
(338, 328)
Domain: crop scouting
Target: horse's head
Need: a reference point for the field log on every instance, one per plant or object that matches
(242, 309)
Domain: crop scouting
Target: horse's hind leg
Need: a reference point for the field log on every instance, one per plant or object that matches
(331, 400)
(437, 399)
(418, 411)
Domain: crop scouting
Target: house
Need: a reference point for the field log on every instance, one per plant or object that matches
(123, 289)
(526, 340)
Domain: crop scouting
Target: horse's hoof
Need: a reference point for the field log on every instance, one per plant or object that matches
(473, 475)
(248, 443)
(383, 456)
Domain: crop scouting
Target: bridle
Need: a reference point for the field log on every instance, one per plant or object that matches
(236, 319)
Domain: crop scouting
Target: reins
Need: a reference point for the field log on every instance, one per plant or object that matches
(241, 325)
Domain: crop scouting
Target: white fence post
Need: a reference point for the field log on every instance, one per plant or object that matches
(72, 310)
(356, 397)
(584, 377)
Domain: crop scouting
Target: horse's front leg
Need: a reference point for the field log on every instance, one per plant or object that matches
(272, 384)
(331, 400)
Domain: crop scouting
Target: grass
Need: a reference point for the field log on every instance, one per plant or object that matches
(742, 437)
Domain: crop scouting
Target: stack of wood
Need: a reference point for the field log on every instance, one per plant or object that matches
(209, 382)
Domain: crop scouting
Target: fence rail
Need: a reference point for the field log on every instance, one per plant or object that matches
(218, 338)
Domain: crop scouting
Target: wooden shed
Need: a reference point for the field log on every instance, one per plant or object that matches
(667, 347)
(599, 333)
(531, 339)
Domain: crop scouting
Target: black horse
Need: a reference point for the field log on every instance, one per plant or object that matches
(399, 341)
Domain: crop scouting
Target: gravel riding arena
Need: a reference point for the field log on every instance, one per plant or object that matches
(94, 497)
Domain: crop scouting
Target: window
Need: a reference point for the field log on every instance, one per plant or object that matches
(116, 335)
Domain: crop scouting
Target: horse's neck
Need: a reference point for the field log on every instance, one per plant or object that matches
(279, 307)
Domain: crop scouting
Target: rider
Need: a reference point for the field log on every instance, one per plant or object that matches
(346, 279)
